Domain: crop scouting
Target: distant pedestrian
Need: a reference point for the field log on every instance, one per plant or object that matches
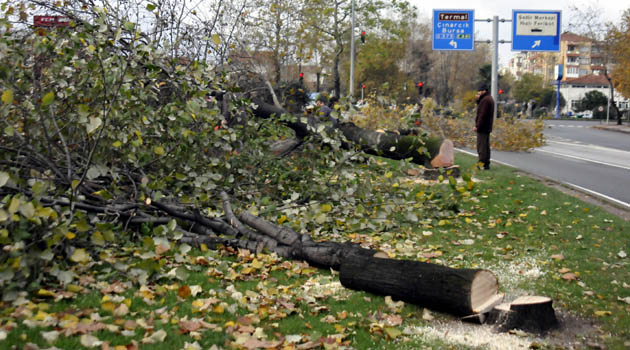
(322, 107)
(483, 124)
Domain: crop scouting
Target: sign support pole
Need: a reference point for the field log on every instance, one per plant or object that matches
(558, 100)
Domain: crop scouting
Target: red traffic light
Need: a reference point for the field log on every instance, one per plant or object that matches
(301, 75)
(363, 33)
(500, 91)
(419, 84)
(363, 36)
(362, 86)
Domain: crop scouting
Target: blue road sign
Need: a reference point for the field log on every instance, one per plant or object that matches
(534, 30)
(454, 30)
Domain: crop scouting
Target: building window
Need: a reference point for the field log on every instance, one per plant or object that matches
(573, 70)
(571, 48)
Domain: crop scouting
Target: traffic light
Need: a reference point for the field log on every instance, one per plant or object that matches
(301, 77)
(500, 91)
(420, 85)
(363, 36)
(362, 86)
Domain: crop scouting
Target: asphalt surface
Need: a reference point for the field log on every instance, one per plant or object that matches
(586, 156)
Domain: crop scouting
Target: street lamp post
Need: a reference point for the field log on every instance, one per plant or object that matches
(351, 86)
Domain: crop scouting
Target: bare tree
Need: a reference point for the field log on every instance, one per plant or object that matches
(587, 20)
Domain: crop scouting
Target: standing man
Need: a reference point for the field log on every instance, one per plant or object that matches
(483, 124)
(323, 109)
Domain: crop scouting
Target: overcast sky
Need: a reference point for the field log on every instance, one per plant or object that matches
(611, 11)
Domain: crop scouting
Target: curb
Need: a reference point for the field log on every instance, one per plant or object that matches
(619, 128)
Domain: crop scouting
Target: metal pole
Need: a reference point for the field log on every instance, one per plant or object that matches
(495, 62)
(608, 106)
(558, 101)
(351, 88)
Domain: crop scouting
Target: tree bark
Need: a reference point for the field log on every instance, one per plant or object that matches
(460, 292)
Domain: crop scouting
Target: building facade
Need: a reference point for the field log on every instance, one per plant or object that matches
(583, 66)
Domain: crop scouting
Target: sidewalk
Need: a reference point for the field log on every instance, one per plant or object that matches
(625, 128)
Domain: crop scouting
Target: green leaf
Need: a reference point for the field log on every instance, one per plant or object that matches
(98, 239)
(83, 226)
(4, 178)
(172, 225)
(392, 332)
(159, 150)
(326, 208)
(80, 256)
(14, 205)
(48, 98)
(94, 124)
(9, 131)
(150, 7)
(83, 110)
(129, 26)
(216, 39)
(27, 210)
(7, 97)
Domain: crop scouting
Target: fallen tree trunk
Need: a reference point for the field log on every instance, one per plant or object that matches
(456, 291)
(420, 149)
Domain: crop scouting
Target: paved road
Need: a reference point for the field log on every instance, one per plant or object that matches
(591, 160)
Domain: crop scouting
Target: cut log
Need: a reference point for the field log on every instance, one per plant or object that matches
(533, 314)
(456, 291)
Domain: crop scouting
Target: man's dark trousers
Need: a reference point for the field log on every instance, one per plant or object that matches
(483, 149)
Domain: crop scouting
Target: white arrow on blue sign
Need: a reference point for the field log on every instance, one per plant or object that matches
(454, 30)
(534, 30)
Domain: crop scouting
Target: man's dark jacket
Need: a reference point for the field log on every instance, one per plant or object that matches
(485, 113)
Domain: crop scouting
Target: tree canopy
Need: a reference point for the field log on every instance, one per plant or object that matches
(619, 34)
(109, 140)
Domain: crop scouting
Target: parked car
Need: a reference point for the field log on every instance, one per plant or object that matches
(584, 114)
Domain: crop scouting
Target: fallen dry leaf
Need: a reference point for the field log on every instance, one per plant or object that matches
(90, 341)
(569, 276)
(184, 292)
(156, 337)
(121, 310)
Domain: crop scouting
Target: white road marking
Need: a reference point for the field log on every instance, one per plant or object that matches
(627, 205)
(583, 159)
(595, 193)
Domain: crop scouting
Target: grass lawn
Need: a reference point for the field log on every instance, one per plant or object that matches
(537, 240)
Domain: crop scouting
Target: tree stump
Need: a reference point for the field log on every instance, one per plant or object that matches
(434, 173)
(456, 291)
(533, 314)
